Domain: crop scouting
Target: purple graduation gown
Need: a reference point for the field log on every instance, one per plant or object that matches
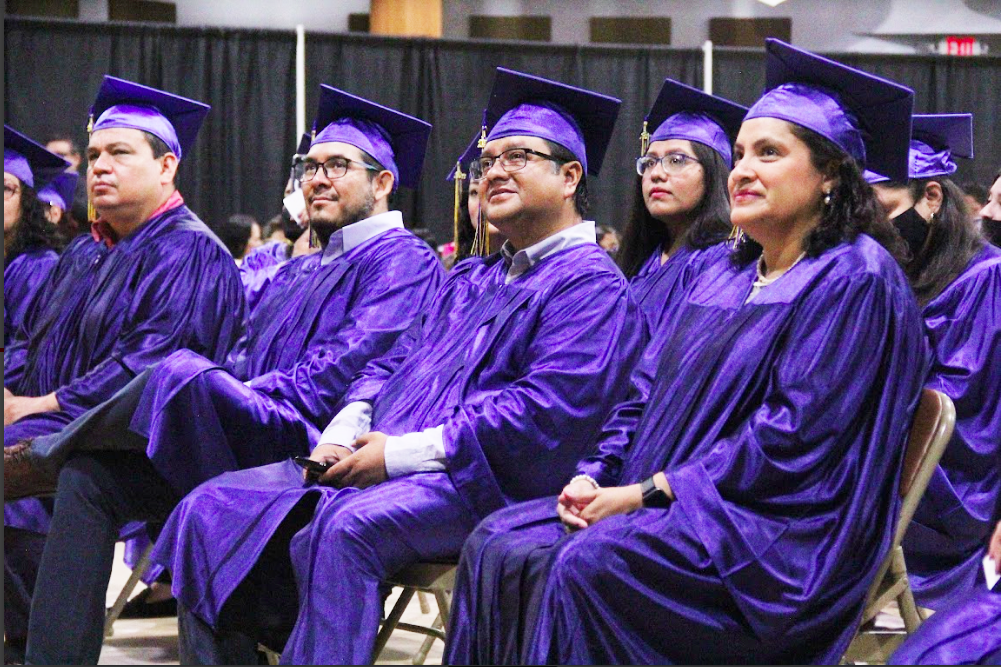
(317, 324)
(109, 314)
(780, 425)
(520, 375)
(259, 267)
(657, 287)
(944, 543)
(23, 279)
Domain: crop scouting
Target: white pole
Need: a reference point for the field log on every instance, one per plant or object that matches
(707, 67)
(300, 81)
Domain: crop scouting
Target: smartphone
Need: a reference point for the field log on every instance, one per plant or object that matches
(314, 467)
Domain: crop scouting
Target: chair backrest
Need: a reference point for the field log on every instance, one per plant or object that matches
(931, 430)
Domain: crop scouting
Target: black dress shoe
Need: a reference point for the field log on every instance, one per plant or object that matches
(138, 607)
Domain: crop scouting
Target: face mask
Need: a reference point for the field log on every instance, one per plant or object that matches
(913, 229)
(992, 230)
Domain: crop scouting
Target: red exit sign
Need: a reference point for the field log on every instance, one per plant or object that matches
(960, 46)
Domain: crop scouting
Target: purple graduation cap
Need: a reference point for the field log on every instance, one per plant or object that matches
(579, 120)
(173, 119)
(395, 140)
(683, 112)
(935, 138)
(31, 162)
(60, 191)
(465, 160)
(866, 116)
(304, 142)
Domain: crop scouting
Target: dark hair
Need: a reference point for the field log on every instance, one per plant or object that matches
(975, 190)
(581, 198)
(709, 222)
(951, 244)
(853, 210)
(33, 229)
(235, 233)
(74, 146)
(159, 147)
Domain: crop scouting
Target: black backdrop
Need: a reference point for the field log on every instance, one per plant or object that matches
(52, 71)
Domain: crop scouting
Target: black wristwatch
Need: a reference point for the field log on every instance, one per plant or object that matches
(653, 495)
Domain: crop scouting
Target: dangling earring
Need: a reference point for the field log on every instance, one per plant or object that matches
(827, 199)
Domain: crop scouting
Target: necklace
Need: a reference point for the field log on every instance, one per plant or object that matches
(762, 280)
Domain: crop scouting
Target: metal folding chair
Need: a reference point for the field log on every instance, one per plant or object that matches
(930, 433)
(435, 578)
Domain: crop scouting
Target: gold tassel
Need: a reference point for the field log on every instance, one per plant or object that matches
(644, 140)
(91, 212)
(459, 178)
(482, 143)
(736, 235)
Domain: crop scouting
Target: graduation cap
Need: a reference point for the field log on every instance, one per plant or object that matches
(32, 163)
(304, 141)
(683, 112)
(466, 160)
(60, 191)
(395, 140)
(935, 138)
(866, 116)
(173, 119)
(579, 120)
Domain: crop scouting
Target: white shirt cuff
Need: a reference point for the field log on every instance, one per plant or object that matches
(347, 425)
(421, 451)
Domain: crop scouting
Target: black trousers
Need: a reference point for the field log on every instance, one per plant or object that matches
(98, 493)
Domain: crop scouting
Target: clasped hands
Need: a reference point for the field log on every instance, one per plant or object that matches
(364, 467)
(18, 407)
(581, 505)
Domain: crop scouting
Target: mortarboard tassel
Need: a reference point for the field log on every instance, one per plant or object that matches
(482, 143)
(459, 178)
(91, 212)
(644, 140)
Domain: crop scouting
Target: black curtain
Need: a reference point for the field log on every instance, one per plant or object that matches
(53, 70)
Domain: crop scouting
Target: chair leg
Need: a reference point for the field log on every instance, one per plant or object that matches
(123, 597)
(391, 621)
(905, 600)
(423, 599)
(422, 652)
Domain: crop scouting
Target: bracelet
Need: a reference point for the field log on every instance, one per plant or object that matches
(586, 478)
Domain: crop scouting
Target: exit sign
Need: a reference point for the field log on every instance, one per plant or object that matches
(961, 46)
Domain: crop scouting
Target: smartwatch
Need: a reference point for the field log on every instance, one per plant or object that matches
(653, 495)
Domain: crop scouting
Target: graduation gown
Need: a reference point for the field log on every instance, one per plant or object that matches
(23, 279)
(780, 424)
(318, 323)
(944, 543)
(259, 267)
(520, 375)
(111, 313)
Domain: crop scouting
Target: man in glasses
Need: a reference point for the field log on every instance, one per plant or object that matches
(490, 398)
(318, 322)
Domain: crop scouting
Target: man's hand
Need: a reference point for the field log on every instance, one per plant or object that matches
(994, 548)
(574, 498)
(18, 407)
(325, 454)
(365, 468)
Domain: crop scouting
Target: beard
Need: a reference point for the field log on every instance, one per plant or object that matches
(325, 226)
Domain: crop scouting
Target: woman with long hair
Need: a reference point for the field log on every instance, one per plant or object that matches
(956, 276)
(30, 241)
(737, 506)
(680, 214)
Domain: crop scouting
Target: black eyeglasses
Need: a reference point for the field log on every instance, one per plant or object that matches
(673, 163)
(9, 191)
(513, 159)
(335, 167)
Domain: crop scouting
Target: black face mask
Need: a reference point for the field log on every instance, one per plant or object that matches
(913, 229)
(992, 230)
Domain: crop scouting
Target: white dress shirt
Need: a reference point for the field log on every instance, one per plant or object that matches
(424, 451)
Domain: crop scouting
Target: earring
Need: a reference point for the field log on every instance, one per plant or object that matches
(827, 199)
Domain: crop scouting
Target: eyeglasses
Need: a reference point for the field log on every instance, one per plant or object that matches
(475, 171)
(513, 159)
(335, 167)
(673, 163)
(9, 191)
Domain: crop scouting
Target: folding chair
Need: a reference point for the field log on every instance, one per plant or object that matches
(130, 585)
(930, 433)
(435, 578)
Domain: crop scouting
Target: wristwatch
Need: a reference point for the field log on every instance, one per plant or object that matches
(653, 495)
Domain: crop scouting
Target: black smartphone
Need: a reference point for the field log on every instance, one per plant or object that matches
(315, 467)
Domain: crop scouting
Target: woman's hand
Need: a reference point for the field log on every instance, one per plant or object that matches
(581, 505)
(574, 498)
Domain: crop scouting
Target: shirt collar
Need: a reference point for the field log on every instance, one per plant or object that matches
(520, 261)
(102, 232)
(347, 239)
